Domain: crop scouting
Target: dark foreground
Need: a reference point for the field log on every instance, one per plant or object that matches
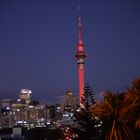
(32, 134)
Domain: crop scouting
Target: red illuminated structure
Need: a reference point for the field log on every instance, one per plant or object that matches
(80, 57)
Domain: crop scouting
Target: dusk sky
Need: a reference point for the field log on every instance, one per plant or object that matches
(38, 41)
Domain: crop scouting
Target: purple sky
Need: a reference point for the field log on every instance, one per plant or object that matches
(38, 43)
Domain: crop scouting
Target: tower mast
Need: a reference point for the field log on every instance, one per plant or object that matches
(80, 57)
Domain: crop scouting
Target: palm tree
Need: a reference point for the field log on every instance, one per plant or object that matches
(132, 102)
(132, 107)
(112, 113)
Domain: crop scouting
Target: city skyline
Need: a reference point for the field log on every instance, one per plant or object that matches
(38, 42)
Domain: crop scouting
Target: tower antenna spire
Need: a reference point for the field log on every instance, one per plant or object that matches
(79, 31)
(79, 25)
(79, 7)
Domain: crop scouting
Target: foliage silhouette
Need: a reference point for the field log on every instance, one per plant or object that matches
(86, 124)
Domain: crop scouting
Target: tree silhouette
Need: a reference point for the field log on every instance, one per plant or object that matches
(88, 97)
(87, 126)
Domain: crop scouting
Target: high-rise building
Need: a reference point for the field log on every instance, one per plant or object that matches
(25, 94)
(70, 101)
(80, 57)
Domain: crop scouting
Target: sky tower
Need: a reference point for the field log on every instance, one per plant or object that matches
(80, 57)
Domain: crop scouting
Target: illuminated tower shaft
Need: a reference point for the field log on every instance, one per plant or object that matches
(80, 57)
